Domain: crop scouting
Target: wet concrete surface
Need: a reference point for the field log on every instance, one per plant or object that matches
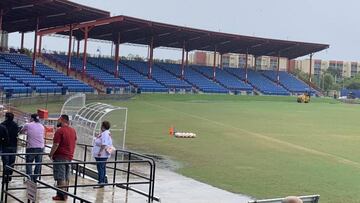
(170, 187)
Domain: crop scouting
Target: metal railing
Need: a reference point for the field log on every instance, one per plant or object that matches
(80, 168)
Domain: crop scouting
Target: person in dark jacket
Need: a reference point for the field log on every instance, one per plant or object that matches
(11, 146)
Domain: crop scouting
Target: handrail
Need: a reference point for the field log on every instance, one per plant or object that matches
(125, 185)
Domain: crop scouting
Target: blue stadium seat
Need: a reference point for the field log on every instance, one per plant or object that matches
(96, 73)
(257, 80)
(289, 81)
(225, 79)
(130, 75)
(46, 80)
(196, 79)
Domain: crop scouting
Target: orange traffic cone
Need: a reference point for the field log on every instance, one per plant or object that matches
(171, 130)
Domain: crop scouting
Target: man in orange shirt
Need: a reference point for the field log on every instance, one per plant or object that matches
(62, 151)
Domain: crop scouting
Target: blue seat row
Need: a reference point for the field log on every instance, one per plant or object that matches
(289, 81)
(257, 80)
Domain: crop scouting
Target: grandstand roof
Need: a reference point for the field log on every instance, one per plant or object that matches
(139, 31)
(21, 15)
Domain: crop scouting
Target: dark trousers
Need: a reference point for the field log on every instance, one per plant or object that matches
(101, 168)
(30, 158)
(9, 160)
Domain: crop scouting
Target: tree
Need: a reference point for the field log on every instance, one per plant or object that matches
(327, 82)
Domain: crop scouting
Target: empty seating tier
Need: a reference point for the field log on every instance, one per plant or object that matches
(290, 82)
(225, 79)
(256, 79)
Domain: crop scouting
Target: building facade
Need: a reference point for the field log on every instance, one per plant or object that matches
(239, 61)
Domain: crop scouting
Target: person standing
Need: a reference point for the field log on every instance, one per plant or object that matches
(35, 132)
(101, 153)
(62, 151)
(11, 145)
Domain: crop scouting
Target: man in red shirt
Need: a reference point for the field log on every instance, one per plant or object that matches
(63, 151)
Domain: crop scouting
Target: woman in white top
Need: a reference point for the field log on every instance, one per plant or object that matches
(101, 143)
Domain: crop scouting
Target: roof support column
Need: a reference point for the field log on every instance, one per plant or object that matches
(288, 65)
(182, 61)
(187, 59)
(278, 70)
(78, 49)
(310, 68)
(255, 62)
(214, 67)
(221, 61)
(150, 61)
(33, 70)
(68, 65)
(40, 45)
(117, 58)
(1, 29)
(86, 33)
(1, 18)
(22, 41)
(246, 66)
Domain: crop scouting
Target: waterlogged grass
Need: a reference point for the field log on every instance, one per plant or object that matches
(259, 146)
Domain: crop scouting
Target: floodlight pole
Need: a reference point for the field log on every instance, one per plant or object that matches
(86, 33)
(246, 66)
(35, 47)
(182, 61)
(117, 53)
(68, 65)
(22, 41)
(278, 70)
(78, 49)
(214, 68)
(150, 61)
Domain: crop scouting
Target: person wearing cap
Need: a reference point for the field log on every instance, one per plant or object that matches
(11, 146)
(35, 138)
(62, 152)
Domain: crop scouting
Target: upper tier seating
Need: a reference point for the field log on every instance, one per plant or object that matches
(224, 78)
(288, 81)
(260, 82)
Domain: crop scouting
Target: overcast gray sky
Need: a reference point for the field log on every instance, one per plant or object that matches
(322, 21)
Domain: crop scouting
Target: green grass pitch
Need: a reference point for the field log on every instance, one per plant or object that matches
(259, 146)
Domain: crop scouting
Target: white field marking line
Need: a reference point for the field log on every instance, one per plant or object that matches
(288, 144)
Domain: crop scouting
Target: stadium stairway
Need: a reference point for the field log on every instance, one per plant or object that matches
(224, 79)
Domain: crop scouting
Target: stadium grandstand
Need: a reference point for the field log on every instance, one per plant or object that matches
(28, 74)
